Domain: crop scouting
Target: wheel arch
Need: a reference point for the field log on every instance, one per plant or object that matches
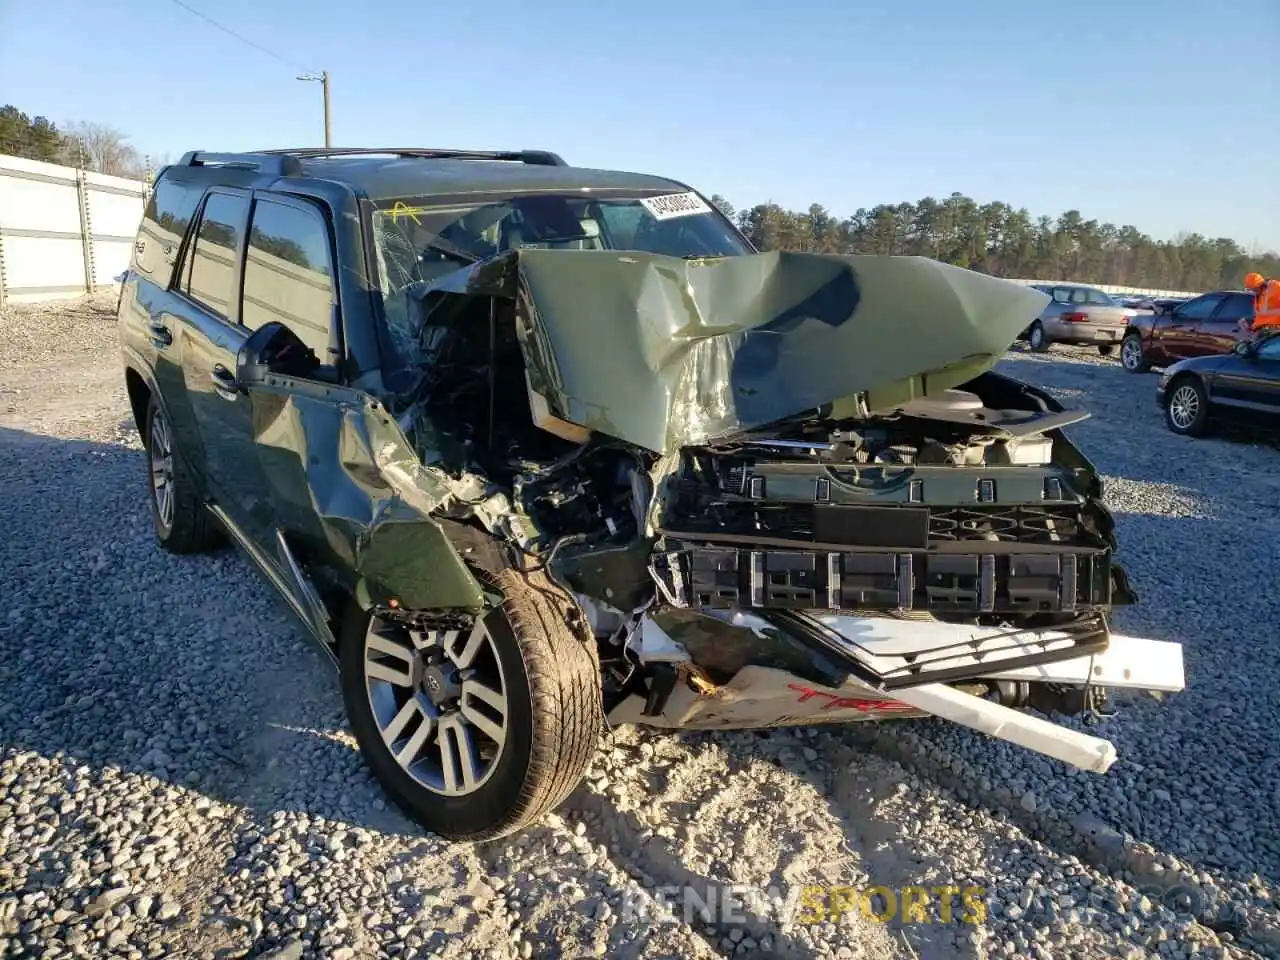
(140, 393)
(1181, 377)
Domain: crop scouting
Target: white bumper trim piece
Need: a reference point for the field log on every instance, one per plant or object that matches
(1127, 662)
(1062, 743)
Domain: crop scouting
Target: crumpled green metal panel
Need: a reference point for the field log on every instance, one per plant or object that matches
(347, 482)
(662, 352)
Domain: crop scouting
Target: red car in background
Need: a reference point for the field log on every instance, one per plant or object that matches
(1202, 326)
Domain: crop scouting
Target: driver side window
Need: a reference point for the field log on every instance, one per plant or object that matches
(288, 274)
(1199, 309)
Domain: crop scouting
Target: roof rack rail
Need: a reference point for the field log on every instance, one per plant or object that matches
(543, 158)
(263, 162)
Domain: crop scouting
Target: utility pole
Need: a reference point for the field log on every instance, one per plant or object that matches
(324, 83)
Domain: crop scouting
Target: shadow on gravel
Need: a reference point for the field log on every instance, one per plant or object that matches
(99, 658)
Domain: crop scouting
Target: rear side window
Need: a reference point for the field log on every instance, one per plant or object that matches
(211, 271)
(164, 224)
(1097, 296)
(288, 273)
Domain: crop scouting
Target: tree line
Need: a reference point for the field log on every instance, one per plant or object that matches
(994, 238)
(91, 146)
(998, 239)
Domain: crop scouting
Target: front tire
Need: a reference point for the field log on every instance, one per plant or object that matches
(178, 513)
(476, 732)
(1186, 409)
(1131, 354)
(1036, 338)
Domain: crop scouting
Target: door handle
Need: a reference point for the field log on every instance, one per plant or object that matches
(224, 382)
(161, 336)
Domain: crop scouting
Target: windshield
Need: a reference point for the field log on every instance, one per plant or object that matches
(420, 239)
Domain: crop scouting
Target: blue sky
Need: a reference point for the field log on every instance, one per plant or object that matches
(1159, 113)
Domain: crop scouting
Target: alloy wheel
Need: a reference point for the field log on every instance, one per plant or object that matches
(439, 699)
(1184, 406)
(1131, 353)
(161, 447)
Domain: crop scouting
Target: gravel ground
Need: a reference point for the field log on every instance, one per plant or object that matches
(178, 779)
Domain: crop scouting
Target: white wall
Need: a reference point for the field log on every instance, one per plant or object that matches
(1123, 291)
(46, 211)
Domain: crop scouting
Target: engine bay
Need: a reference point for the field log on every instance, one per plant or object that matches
(965, 505)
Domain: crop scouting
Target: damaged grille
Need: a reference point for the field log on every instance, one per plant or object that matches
(889, 526)
(718, 576)
(1012, 524)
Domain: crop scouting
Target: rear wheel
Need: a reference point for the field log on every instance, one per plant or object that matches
(182, 523)
(1131, 355)
(478, 731)
(1187, 407)
(1106, 349)
(1036, 338)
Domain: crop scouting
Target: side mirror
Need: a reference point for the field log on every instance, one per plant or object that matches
(1243, 348)
(274, 348)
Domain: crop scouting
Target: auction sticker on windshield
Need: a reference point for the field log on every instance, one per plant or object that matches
(675, 205)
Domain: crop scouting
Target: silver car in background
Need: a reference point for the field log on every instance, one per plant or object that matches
(1079, 314)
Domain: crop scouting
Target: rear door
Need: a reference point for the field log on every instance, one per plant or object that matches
(151, 312)
(1179, 336)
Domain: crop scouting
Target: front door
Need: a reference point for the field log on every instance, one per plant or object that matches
(289, 278)
(1180, 338)
(212, 335)
(1252, 384)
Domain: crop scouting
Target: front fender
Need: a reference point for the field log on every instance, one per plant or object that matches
(348, 485)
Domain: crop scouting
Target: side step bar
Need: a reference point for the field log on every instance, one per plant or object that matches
(305, 606)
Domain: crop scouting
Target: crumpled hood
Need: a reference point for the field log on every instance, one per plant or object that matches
(663, 352)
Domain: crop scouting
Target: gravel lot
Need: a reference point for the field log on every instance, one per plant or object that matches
(176, 778)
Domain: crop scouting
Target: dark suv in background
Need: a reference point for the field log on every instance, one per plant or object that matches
(1207, 325)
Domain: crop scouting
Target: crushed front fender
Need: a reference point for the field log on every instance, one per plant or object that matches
(348, 488)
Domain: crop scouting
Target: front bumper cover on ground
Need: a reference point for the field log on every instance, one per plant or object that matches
(760, 695)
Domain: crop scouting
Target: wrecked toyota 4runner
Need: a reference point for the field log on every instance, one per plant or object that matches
(533, 449)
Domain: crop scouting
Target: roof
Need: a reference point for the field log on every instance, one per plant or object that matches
(386, 177)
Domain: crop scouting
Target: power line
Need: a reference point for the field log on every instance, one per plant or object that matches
(227, 30)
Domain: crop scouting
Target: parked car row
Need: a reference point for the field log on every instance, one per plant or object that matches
(1242, 386)
(1210, 371)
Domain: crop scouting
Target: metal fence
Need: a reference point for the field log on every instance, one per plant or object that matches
(64, 232)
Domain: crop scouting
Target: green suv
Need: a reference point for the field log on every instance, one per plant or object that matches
(533, 450)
